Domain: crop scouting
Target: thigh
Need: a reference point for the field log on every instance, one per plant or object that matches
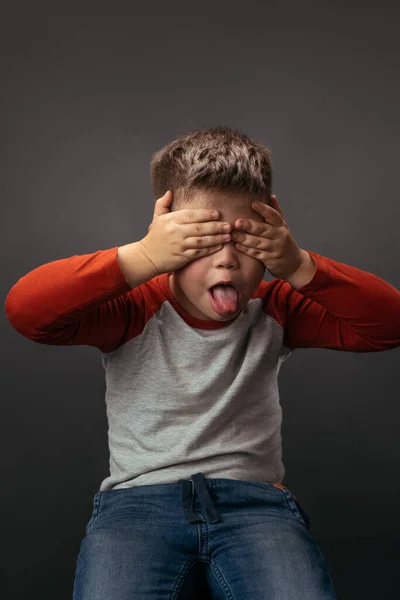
(135, 555)
(268, 555)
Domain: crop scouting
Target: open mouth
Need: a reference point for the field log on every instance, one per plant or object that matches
(224, 305)
(229, 285)
(224, 284)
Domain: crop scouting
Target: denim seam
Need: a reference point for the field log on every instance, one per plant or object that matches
(182, 576)
(95, 512)
(293, 509)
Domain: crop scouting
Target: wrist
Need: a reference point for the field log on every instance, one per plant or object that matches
(135, 265)
(305, 272)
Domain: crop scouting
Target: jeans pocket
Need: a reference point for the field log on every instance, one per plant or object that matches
(296, 508)
(95, 512)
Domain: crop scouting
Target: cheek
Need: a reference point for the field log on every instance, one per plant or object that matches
(193, 274)
(255, 268)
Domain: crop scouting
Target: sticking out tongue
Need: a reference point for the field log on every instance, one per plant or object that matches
(225, 299)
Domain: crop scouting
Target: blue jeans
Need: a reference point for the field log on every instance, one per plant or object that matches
(240, 540)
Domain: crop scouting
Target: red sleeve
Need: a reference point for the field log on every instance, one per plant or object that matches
(342, 308)
(80, 300)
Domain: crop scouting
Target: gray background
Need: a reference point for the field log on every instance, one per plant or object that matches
(85, 100)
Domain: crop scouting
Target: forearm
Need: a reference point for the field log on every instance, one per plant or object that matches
(136, 267)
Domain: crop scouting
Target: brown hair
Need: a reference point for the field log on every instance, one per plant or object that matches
(212, 159)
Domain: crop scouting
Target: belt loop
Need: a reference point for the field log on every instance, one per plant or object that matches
(205, 499)
(187, 501)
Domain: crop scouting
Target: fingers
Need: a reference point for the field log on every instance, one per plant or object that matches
(271, 213)
(195, 215)
(262, 229)
(200, 228)
(206, 241)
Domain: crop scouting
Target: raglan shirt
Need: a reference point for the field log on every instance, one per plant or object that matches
(185, 395)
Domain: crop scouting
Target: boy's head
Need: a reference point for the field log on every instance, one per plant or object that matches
(215, 168)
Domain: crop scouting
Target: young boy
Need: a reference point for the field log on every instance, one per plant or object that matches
(192, 340)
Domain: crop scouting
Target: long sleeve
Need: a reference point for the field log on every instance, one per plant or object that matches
(72, 301)
(342, 308)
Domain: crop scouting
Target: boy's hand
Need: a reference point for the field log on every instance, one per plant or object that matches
(270, 241)
(175, 238)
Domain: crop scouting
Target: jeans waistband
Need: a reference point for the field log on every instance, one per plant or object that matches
(188, 487)
(198, 483)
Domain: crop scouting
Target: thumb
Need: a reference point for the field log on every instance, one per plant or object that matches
(275, 205)
(162, 204)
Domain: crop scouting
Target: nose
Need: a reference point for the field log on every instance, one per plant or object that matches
(228, 254)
